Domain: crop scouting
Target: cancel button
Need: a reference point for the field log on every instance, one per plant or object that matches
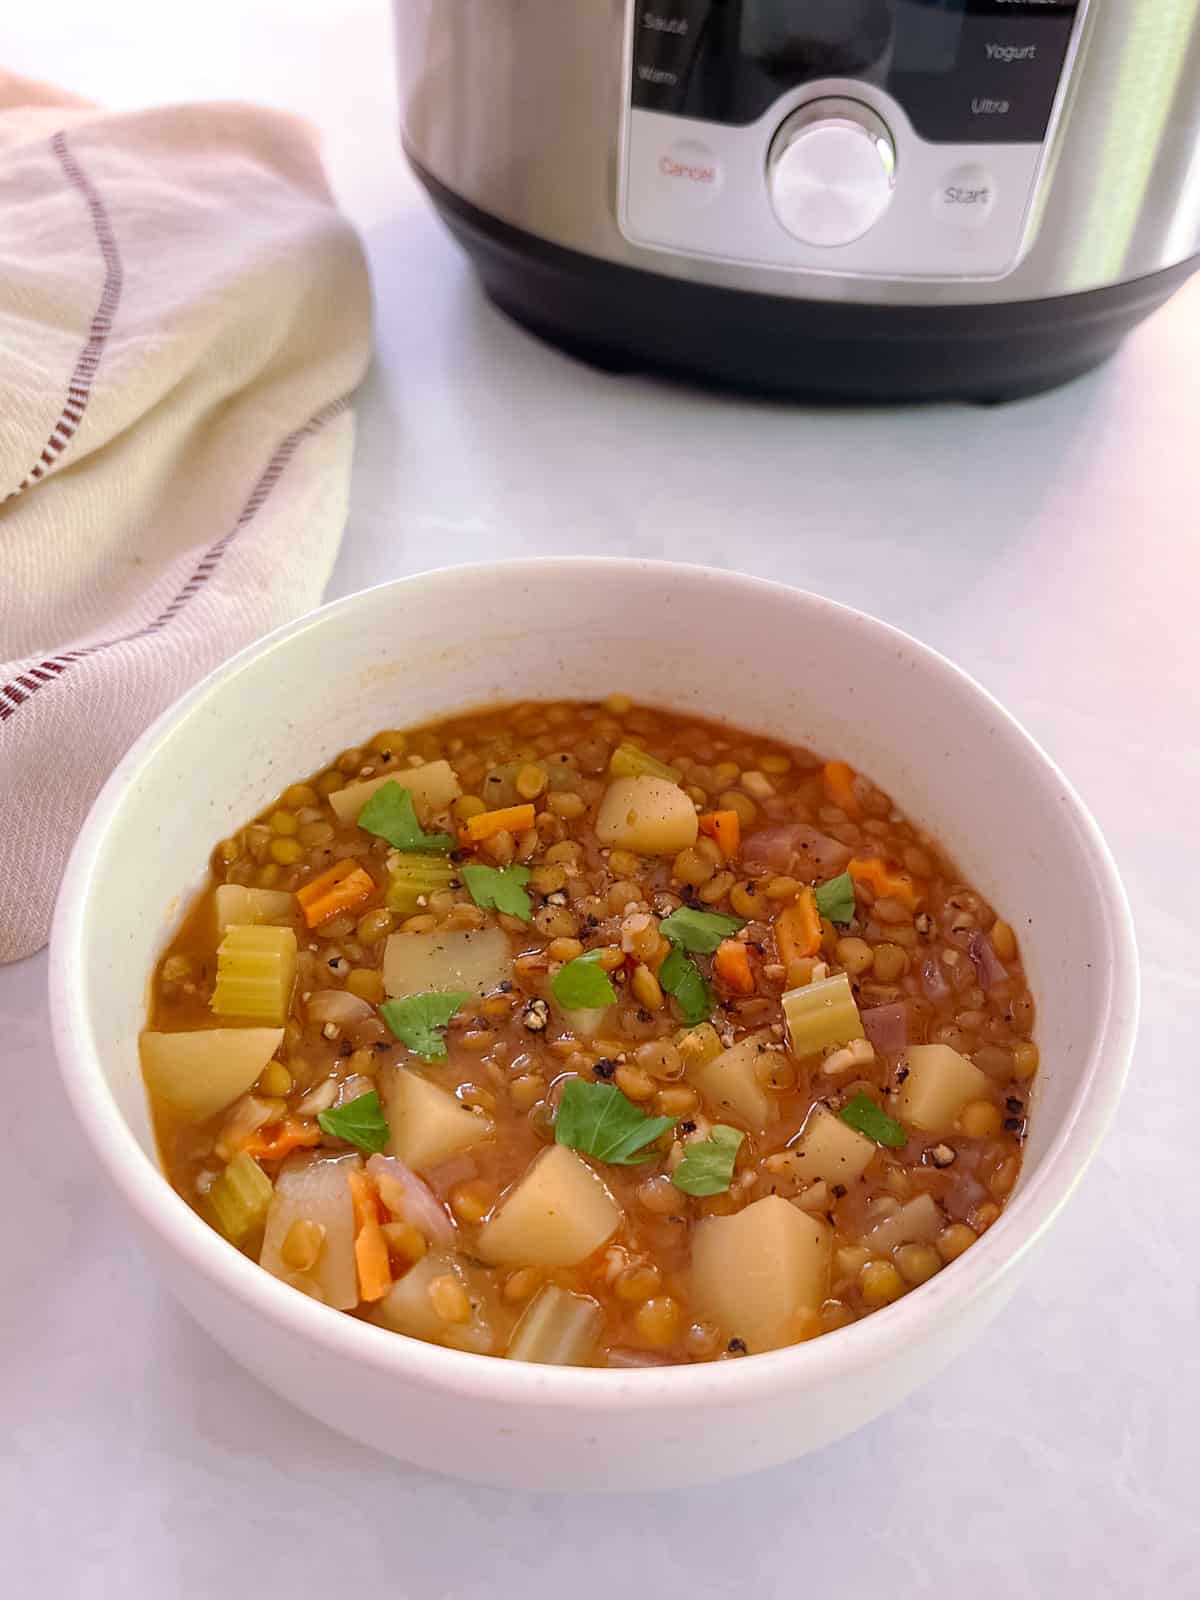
(965, 197)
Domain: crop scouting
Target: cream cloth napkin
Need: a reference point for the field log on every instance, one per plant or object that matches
(183, 317)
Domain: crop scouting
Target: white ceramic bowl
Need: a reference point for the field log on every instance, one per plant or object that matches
(767, 658)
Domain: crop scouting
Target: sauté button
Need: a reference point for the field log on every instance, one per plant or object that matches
(689, 173)
(965, 197)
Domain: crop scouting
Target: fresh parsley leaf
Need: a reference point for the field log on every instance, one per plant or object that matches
(597, 1119)
(391, 815)
(583, 983)
(500, 889)
(707, 1165)
(865, 1116)
(835, 899)
(700, 931)
(683, 979)
(420, 1020)
(359, 1122)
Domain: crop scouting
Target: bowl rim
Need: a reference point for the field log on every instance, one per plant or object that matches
(860, 1345)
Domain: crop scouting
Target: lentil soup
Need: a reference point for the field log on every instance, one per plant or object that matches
(591, 1034)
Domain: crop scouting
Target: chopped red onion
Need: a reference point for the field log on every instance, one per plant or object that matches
(989, 968)
(455, 1169)
(794, 848)
(933, 980)
(637, 1358)
(421, 1206)
(337, 1006)
(887, 1027)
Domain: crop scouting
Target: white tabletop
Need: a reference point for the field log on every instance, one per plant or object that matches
(1051, 548)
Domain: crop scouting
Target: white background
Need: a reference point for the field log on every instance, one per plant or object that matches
(1051, 548)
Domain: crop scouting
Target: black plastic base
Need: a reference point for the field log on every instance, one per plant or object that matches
(623, 319)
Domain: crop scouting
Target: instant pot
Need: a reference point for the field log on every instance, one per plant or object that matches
(839, 199)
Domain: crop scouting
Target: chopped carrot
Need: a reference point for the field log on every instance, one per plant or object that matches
(340, 887)
(370, 1246)
(839, 786)
(726, 828)
(509, 819)
(884, 880)
(288, 1136)
(798, 929)
(731, 965)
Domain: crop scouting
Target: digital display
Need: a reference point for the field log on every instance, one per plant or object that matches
(839, 38)
(824, 38)
(927, 35)
(962, 69)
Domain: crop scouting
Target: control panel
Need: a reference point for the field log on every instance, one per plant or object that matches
(897, 138)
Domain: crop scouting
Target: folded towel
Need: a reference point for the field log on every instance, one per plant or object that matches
(183, 318)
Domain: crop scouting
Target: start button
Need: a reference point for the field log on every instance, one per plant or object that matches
(689, 173)
(965, 197)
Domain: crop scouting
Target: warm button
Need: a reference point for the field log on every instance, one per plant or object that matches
(690, 173)
(965, 197)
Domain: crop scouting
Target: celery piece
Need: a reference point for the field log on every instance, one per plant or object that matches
(500, 786)
(821, 1014)
(414, 877)
(628, 761)
(557, 1329)
(256, 968)
(239, 1198)
(238, 906)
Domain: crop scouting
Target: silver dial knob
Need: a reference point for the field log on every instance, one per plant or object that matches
(831, 171)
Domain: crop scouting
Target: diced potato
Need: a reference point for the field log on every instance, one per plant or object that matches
(829, 1150)
(647, 815)
(939, 1084)
(316, 1189)
(917, 1220)
(699, 1045)
(821, 1014)
(478, 961)
(408, 1307)
(427, 1123)
(256, 968)
(235, 903)
(202, 1072)
(558, 1214)
(728, 1081)
(816, 1199)
(432, 787)
(557, 1328)
(586, 1021)
(754, 1271)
